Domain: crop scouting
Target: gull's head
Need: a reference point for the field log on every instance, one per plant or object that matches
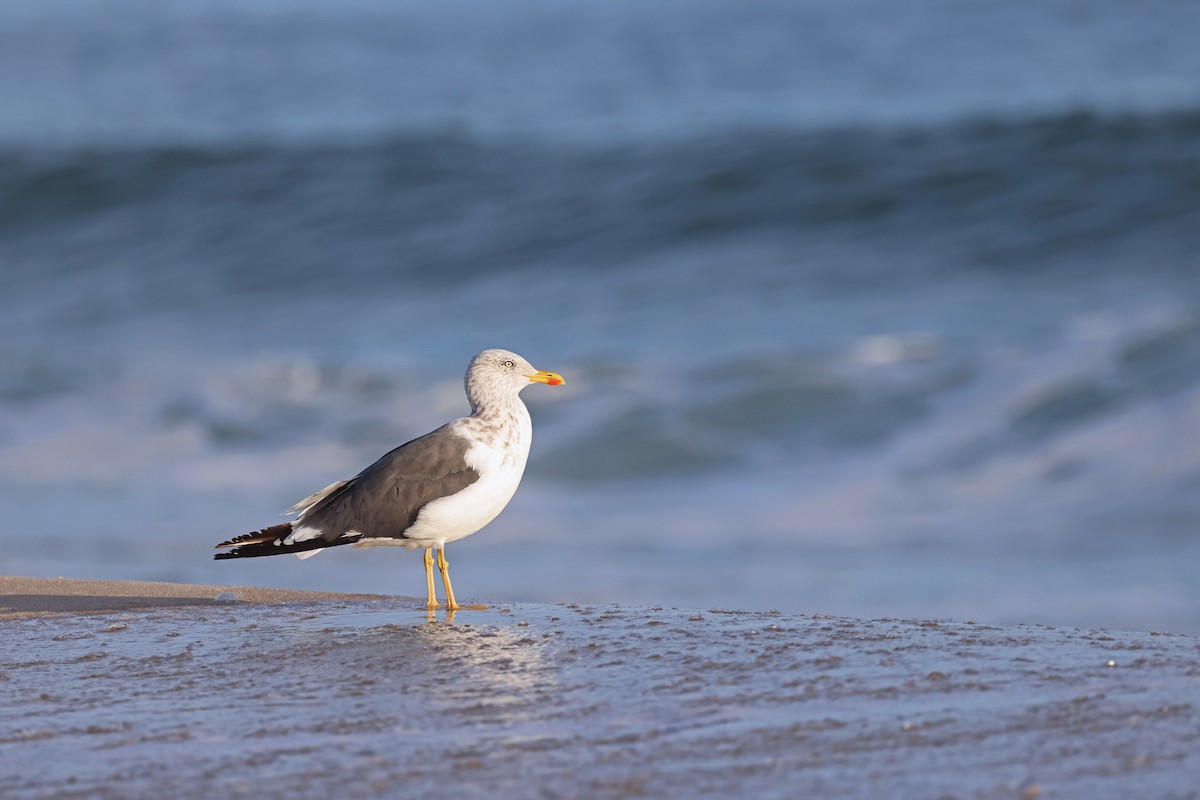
(504, 372)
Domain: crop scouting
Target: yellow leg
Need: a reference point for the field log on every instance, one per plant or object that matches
(444, 568)
(432, 602)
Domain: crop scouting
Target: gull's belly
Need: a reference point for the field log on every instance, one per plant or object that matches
(459, 515)
(462, 514)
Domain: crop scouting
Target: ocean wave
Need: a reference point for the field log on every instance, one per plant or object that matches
(995, 196)
(939, 410)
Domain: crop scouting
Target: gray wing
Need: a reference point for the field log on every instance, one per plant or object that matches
(385, 498)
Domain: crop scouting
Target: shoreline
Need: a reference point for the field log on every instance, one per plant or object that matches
(143, 690)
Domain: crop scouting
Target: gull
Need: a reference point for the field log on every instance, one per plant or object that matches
(439, 488)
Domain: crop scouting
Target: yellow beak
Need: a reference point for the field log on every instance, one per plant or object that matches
(548, 378)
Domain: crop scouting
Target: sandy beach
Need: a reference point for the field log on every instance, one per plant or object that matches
(30, 597)
(136, 690)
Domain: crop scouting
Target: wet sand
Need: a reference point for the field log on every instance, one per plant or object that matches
(161, 690)
(27, 597)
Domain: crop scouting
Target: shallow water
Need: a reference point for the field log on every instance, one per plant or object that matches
(368, 699)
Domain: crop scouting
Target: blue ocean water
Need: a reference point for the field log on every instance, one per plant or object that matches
(865, 309)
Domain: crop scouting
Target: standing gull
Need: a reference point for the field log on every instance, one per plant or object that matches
(436, 489)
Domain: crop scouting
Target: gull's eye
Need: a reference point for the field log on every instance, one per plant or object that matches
(507, 364)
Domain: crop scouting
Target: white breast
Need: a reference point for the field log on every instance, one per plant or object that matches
(500, 461)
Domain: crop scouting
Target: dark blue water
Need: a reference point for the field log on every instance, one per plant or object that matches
(864, 309)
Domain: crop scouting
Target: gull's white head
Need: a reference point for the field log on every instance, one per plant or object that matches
(496, 374)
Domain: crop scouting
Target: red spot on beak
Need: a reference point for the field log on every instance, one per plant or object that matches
(553, 382)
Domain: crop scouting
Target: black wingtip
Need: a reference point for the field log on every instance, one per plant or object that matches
(269, 542)
(247, 540)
